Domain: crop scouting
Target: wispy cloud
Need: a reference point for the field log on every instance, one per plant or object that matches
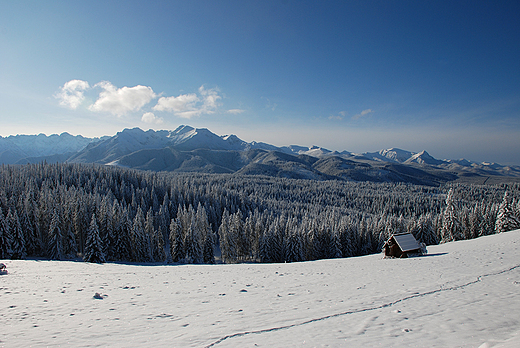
(120, 101)
(339, 116)
(269, 104)
(236, 111)
(190, 105)
(149, 117)
(71, 94)
(362, 114)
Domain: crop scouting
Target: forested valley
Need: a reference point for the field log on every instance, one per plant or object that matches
(104, 213)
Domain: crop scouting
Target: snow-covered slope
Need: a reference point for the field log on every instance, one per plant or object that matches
(462, 294)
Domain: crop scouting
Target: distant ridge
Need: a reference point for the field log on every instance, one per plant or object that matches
(188, 149)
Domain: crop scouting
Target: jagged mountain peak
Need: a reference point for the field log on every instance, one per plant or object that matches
(423, 157)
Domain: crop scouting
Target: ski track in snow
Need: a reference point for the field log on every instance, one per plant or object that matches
(362, 310)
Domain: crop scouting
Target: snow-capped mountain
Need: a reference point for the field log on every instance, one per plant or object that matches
(20, 148)
(188, 149)
(389, 155)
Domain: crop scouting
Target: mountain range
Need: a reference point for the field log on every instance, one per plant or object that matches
(188, 149)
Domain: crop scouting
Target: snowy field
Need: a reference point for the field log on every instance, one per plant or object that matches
(463, 294)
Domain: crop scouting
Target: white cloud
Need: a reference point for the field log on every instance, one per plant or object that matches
(210, 98)
(362, 114)
(120, 101)
(236, 111)
(72, 93)
(180, 104)
(149, 117)
(190, 105)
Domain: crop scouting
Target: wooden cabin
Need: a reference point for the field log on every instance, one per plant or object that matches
(401, 245)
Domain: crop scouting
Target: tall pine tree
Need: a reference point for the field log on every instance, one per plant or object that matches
(93, 248)
(55, 240)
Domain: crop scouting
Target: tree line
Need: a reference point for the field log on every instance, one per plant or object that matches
(104, 213)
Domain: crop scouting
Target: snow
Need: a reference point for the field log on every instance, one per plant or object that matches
(462, 294)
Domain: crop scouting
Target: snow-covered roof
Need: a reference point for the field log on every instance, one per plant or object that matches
(406, 242)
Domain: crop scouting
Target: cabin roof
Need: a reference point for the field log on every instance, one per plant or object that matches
(406, 242)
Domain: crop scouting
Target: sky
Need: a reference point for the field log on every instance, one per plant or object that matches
(360, 76)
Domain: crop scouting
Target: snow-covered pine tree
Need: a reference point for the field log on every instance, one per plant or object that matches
(506, 219)
(123, 242)
(239, 235)
(422, 230)
(263, 247)
(259, 223)
(93, 248)
(206, 235)
(159, 252)
(475, 221)
(55, 239)
(227, 241)
(5, 237)
(32, 237)
(176, 245)
(276, 236)
(18, 241)
(193, 243)
(336, 244)
(382, 231)
(314, 243)
(140, 246)
(162, 221)
(294, 244)
(80, 222)
(451, 227)
(32, 242)
(106, 226)
(249, 233)
(70, 249)
(209, 247)
(149, 235)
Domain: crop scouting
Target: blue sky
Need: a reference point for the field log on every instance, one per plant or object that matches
(441, 76)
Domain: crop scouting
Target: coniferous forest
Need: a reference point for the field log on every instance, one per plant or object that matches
(104, 213)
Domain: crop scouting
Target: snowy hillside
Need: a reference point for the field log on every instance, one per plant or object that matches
(462, 294)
